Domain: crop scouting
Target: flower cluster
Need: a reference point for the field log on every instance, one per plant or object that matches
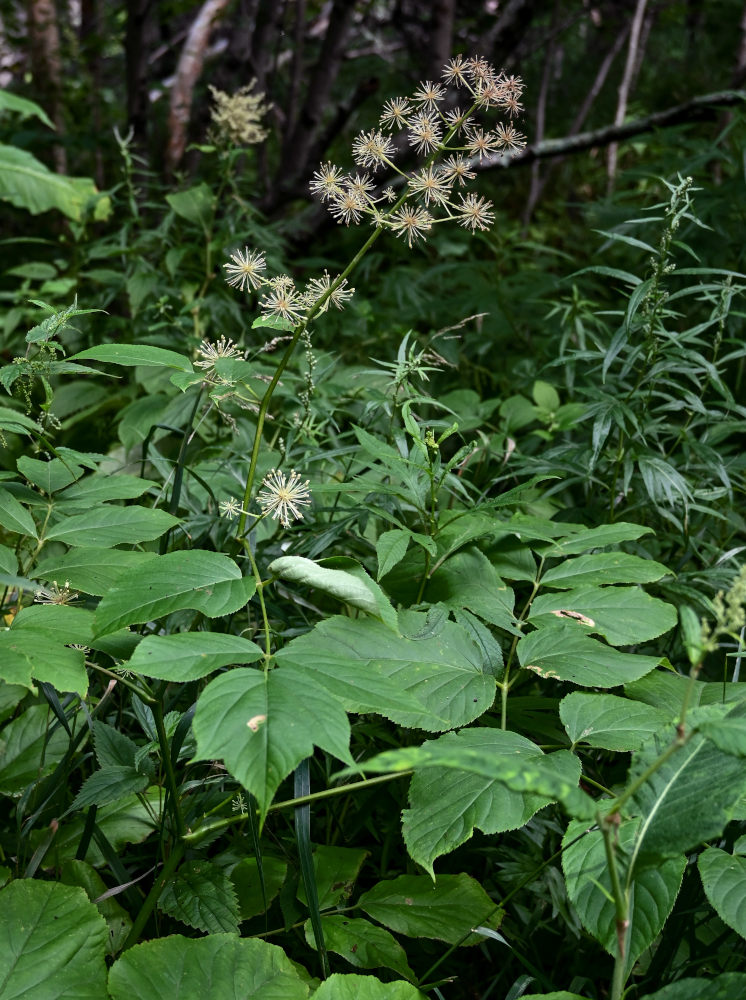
(280, 297)
(433, 125)
(236, 119)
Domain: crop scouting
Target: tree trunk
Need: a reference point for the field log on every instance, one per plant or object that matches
(136, 59)
(46, 67)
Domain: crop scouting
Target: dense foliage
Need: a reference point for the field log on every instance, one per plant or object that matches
(453, 710)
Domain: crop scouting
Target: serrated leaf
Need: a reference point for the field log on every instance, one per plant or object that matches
(651, 898)
(15, 422)
(263, 725)
(609, 722)
(391, 547)
(109, 784)
(724, 881)
(603, 568)
(117, 919)
(91, 570)
(468, 580)
(112, 746)
(434, 683)
(107, 525)
(202, 581)
(446, 909)
(14, 517)
(27, 653)
(597, 538)
(52, 942)
(48, 476)
(361, 943)
(202, 896)
(622, 615)
(563, 652)
(354, 987)
(99, 489)
(446, 804)
(135, 354)
(220, 966)
(187, 656)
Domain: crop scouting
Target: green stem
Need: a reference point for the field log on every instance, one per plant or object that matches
(153, 896)
(608, 828)
(169, 767)
(260, 594)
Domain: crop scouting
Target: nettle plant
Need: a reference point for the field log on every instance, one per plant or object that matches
(211, 723)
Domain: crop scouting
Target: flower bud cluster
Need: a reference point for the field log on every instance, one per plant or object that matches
(450, 137)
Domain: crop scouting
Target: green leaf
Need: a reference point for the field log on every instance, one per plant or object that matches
(671, 800)
(187, 656)
(29, 749)
(361, 943)
(108, 785)
(603, 568)
(434, 683)
(126, 821)
(545, 396)
(48, 476)
(563, 652)
(353, 987)
(196, 204)
(202, 896)
(555, 995)
(218, 967)
(446, 804)
(98, 489)
(14, 517)
(23, 107)
(203, 581)
(468, 580)
(724, 881)
(91, 570)
(26, 183)
(728, 734)
(651, 898)
(108, 525)
(597, 538)
(335, 871)
(117, 919)
(263, 725)
(391, 547)
(248, 885)
(27, 653)
(609, 722)
(728, 986)
(623, 615)
(52, 942)
(358, 592)
(135, 354)
(446, 909)
(17, 423)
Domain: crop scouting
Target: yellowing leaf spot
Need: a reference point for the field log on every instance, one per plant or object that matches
(574, 615)
(255, 722)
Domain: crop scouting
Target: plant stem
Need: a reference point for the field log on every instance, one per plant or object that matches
(152, 898)
(168, 765)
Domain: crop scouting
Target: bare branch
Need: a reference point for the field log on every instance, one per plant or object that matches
(626, 84)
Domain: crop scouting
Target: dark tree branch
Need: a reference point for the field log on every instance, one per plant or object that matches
(625, 86)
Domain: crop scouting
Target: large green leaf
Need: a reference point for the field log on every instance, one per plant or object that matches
(335, 871)
(603, 568)
(585, 539)
(52, 943)
(14, 516)
(187, 656)
(117, 919)
(468, 580)
(196, 204)
(354, 987)
(728, 986)
(108, 525)
(202, 896)
(203, 581)
(135, 354)
(609, 722)
(218, 967)
(98, 489)
(26, 183)
(91, 570)
(653, 890)
(446, 909)
(126, 821)
(248, 885)
(264, 724)
(110, 784)
(28, 652)
(446, 804)
(31, 746)
(433, 683)
(48, 476)
(361, 943)
(563, 652)
(623, 615)
(724, 880)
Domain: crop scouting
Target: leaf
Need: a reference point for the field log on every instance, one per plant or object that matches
(48, 476)
(468, 580)
(597, 538)
(201, 895)
(14, 517)
(23, 107)
(218, 967)
(107, 525)
(335, 871)
(671, 800)
(26, 183)
(117, 920)
(563, 652)
(27, 653)
(29, 749)
(724, 881)
(135, 354)
(728, 734)
(603, 568)
(609, 722)
(623, 615)
(98, 489)
(196, 204)
(91, 570)
(108, 785)
(434, 683)
(545, 396)
(52, 942)
(354, 987)
(187, 656)
(203, 581)
(651, 899)
(263, 725)
(361, 943)
(348, 587)
(126, 821)
(446, 804)
(15, 422)
(446, 909)
(727, 986)
(391, 547)
(248, 886)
